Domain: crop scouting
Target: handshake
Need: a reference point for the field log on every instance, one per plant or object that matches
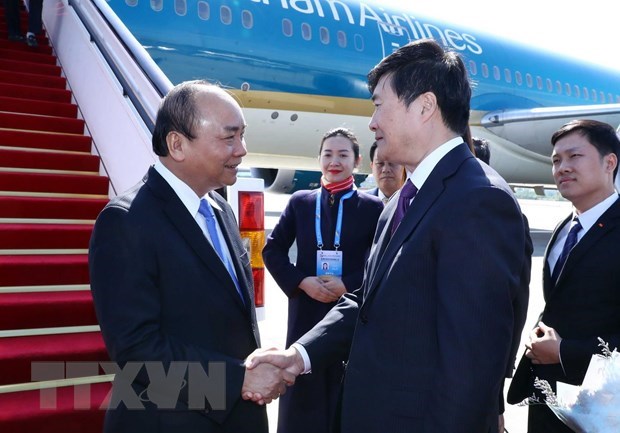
(269, 372)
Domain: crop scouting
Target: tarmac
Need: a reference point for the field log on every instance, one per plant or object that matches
(543, 215)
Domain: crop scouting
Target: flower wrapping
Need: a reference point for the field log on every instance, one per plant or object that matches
(593, 407)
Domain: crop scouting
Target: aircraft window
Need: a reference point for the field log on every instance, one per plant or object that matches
(568, 89)
(549, 85)
(558, 87)
(131, 2)
(247, 19)
(472, 68)
(180, 7)
(507, 75)
(306, 31)
(610, 98)
(342, 39)
(496, 73)
(529, 80)
(618, 98)
(359, 42)
(485, 70)
(204, 12)
(603, 97)
(157, 5)
(287, 27)
(519, 78)
(577, 95)
(324, 34)
(594, 96)
(225, 15)
(586, 93)
(539, 83)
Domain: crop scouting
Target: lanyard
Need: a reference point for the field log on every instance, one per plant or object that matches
(317, 220)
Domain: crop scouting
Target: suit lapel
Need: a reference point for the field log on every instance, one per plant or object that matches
(423, 201)
(188, 228)
(603, 225)
(547, 282)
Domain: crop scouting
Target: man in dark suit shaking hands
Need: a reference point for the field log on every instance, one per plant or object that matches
(172, 283)
(428, 334)
(581, 275)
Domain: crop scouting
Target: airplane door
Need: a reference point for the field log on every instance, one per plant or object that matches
(392, 37)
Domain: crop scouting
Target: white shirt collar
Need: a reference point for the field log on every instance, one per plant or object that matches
(591, 216)
(183, 191)
(426, 166)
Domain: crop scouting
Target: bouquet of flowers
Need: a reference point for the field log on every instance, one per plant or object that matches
(593, 407)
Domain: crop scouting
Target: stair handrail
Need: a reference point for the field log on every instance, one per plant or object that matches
(159, 80)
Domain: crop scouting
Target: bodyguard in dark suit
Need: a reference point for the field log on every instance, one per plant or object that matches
(174, 289)
(581, 276)
(429, 333)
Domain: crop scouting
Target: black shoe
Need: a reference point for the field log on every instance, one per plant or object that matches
(31, 40)
(17, 38)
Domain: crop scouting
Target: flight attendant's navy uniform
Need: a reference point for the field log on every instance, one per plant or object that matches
(309, 405)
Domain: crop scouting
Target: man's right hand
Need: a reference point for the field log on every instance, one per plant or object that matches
(289, 361)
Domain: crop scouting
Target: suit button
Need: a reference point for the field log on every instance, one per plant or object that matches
(364, 319)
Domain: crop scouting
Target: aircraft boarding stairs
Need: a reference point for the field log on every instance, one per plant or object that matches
(51, 191)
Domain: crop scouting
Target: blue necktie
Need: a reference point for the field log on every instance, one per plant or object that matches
(571, 240)
(206, 211)
(407, 193)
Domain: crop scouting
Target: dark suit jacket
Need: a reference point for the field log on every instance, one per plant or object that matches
(584, 305)
(430, 331)
(162, 294)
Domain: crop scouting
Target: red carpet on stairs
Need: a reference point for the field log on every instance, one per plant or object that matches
(16, 353)
(46, 310)
(50, 193)
(45, 236)
(21, 411)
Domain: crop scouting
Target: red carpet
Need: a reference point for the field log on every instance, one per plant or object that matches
(46, 310)
(17, 353)
(47, 173)
(22, 413)
(45, 236)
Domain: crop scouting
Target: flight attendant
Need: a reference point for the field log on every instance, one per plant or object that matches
(334, 228)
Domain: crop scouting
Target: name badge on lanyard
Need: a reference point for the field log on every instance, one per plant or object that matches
(329, 263)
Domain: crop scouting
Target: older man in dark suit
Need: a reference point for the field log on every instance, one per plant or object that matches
(429, 333)
(388, 176)
(581, 277)
(172, 284)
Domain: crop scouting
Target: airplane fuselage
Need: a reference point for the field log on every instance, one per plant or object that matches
(299, 68)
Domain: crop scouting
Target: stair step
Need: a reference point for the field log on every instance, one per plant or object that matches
(30, 106)
(32, 68)
(44, 236)
(22, 411)
(28, 270)
(41, 123)
(45, 140)
(20, 46)
(4, 34)
(35, 93)
(55, 208)
(49, 160)
(30, 56)
(56, 183)
(37, 80)
(18, 353)
(46, 310)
